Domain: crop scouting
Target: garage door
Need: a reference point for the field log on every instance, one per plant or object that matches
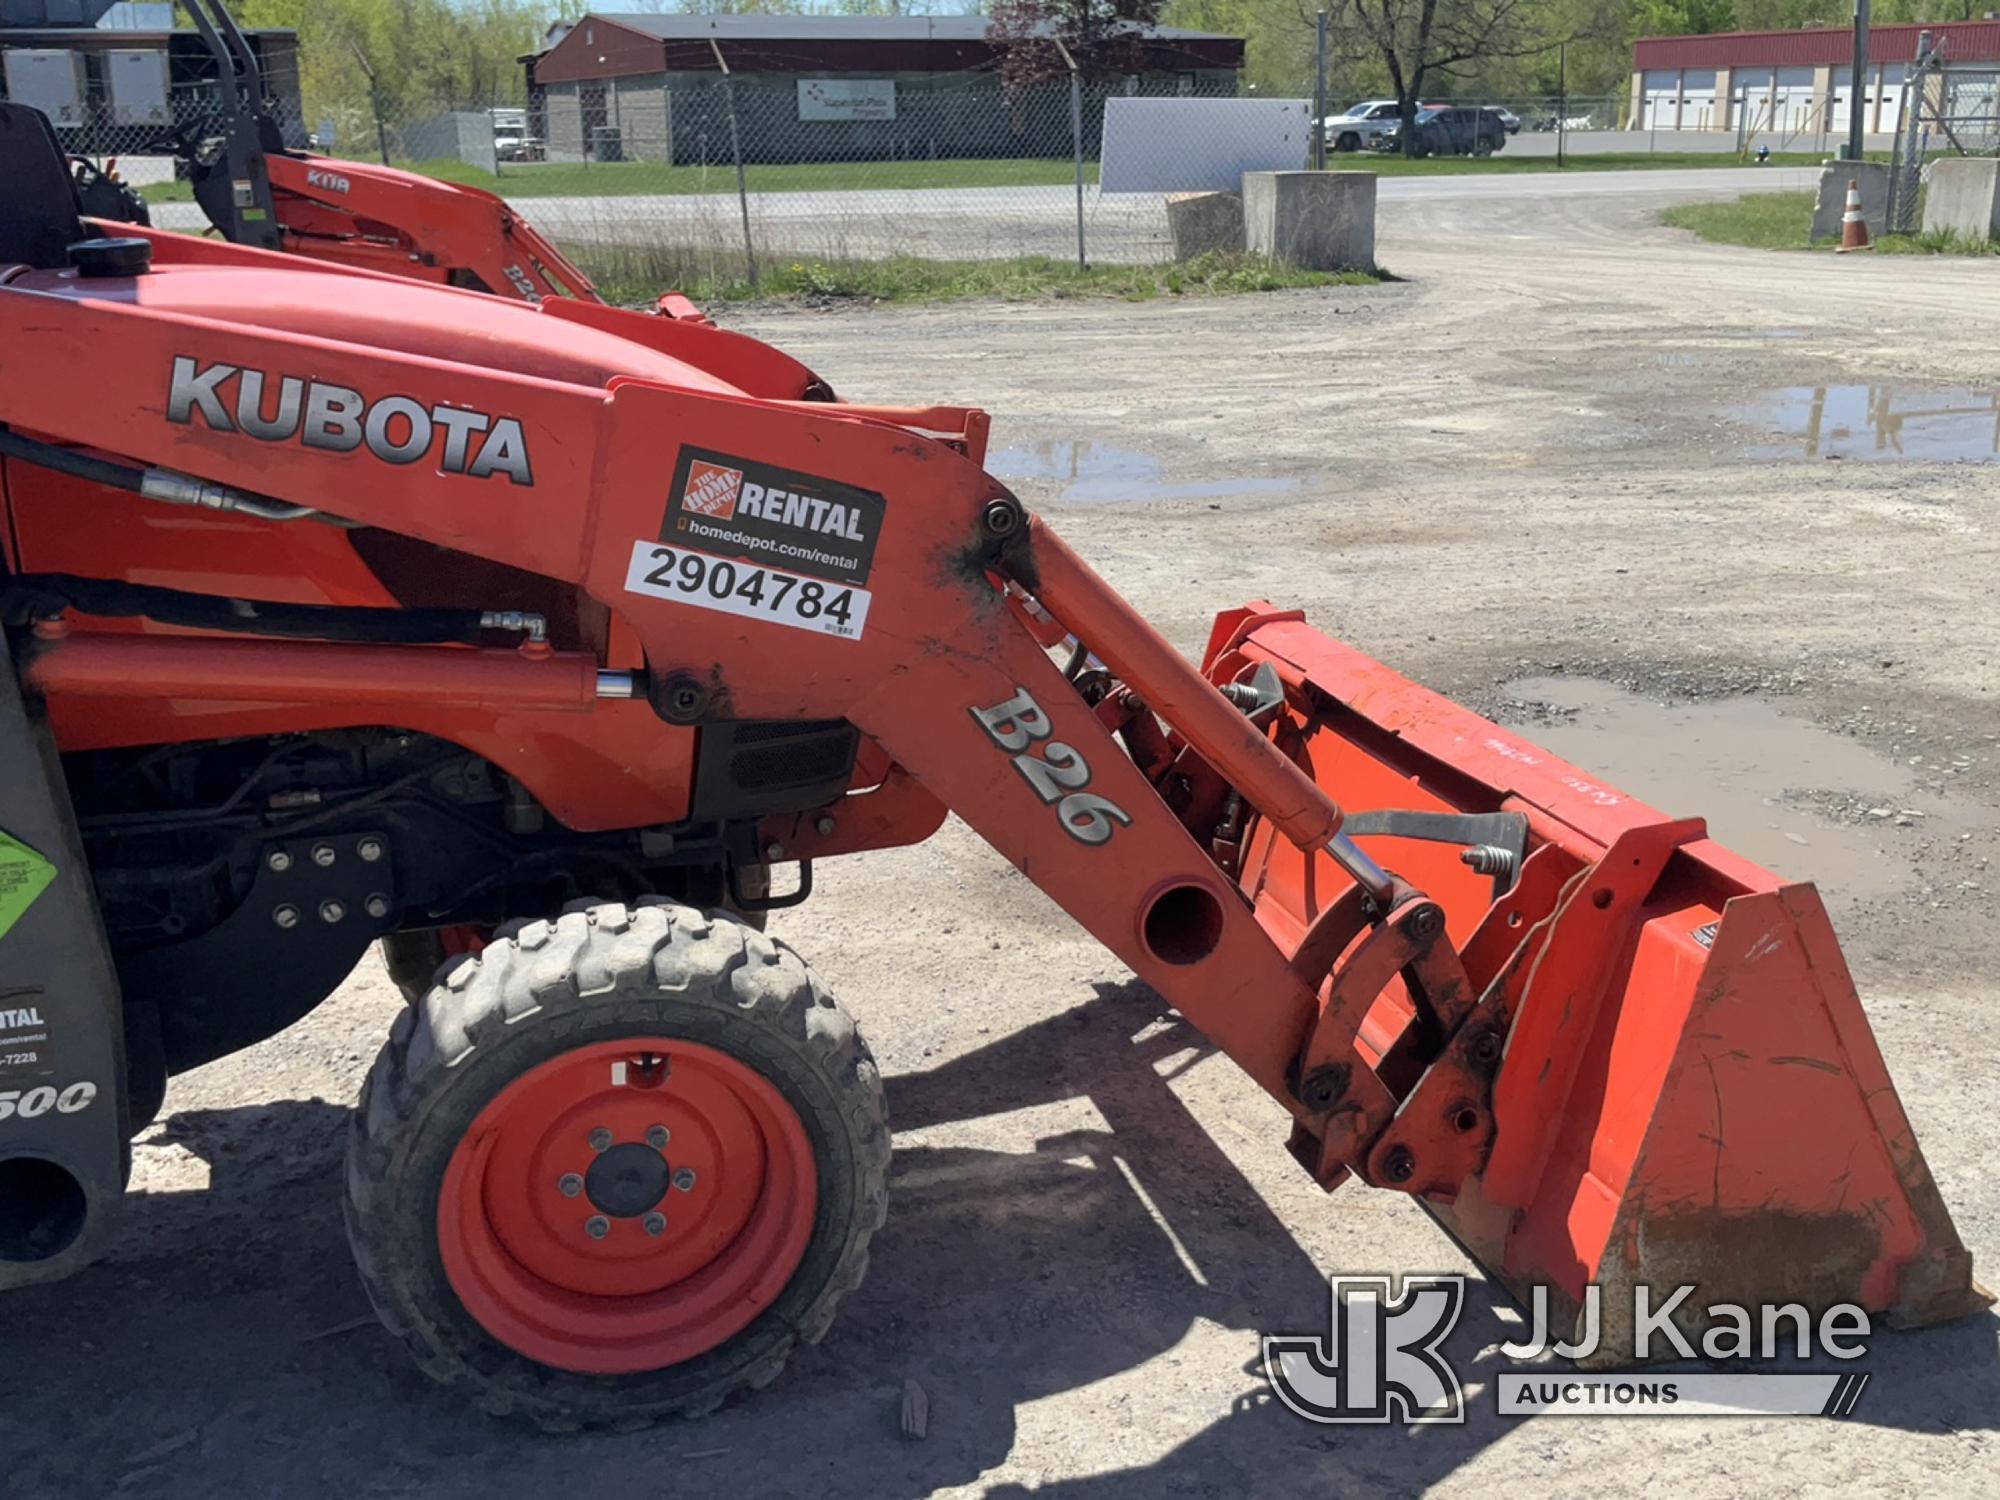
(1752, 87)
(1887, 110)
(1794, 100)
(1698, 111)
(1660, 101)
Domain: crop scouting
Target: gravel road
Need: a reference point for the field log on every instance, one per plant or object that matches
(1527, 475)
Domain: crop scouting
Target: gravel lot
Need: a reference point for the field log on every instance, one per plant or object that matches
(1523, 476)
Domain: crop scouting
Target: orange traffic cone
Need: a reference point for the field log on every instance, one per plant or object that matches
(1853, 228)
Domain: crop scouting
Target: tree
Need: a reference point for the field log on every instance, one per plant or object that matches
(1418, 41)
(426, 55)
(1699, 17)
(1105, 37)
(1278, 41)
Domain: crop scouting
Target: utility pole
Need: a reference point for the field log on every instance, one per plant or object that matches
(1855, 80)
(1317, 156)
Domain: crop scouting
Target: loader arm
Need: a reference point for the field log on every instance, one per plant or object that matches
(586, 497)
(801, 560)
(381, 218)
(260, 193)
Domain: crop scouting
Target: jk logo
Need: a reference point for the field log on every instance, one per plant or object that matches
(1379, 1360)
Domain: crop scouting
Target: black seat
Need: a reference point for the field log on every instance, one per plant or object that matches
(38, 213)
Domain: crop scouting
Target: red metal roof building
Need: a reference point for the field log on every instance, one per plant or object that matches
(821, 87)
(604, 45)
(1789, 82)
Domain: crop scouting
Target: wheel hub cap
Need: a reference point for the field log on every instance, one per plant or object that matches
(627, 1180)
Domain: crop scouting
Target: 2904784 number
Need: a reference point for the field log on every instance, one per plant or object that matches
(755, 593)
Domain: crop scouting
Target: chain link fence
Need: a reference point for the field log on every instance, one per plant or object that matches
(659, 181)
(957, 170)
(646, 183)
(1945, 111)
(1530, 116)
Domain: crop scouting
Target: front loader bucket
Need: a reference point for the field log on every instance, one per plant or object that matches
(1684, 1087)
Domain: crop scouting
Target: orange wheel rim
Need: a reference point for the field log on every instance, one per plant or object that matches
(627, 1206)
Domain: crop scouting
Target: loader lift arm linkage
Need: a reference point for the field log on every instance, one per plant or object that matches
(1594, 1044)
(256, 191)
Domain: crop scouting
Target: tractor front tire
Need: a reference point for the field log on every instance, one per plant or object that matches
(616, 1167)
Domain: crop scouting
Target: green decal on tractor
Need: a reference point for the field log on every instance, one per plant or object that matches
(24, 875)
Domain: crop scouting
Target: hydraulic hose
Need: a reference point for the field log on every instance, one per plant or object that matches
(165, 485)
(69, 461)
(28, 597)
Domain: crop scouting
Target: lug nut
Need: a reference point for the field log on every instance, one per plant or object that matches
(684, 1180)
(569, 1184)
(377, 906)
(323, 855)
(331, 911)
(658, 1137)
(654, 1223)
(597, 1226)
(600, 1139)
(369, 849)
(277, 861)
(286, 916)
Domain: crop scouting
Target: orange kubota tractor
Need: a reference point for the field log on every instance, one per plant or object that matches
(340, 607)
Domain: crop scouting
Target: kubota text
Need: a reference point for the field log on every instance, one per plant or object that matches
(397, 429)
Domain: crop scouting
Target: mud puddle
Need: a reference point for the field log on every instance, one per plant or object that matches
(1092, 473)
(1800, 800)
(1877, 423)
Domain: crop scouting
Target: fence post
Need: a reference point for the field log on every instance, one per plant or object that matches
(1317, 156)
(736, 150)
(1076, 140)
(1906, 172)
(1562, 103)
(374, 100)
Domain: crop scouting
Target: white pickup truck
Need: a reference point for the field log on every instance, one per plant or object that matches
(1362, 126)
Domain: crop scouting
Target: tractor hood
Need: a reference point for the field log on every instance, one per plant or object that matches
(404, 317)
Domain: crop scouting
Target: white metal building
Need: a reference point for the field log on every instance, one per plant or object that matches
(1790, 82)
